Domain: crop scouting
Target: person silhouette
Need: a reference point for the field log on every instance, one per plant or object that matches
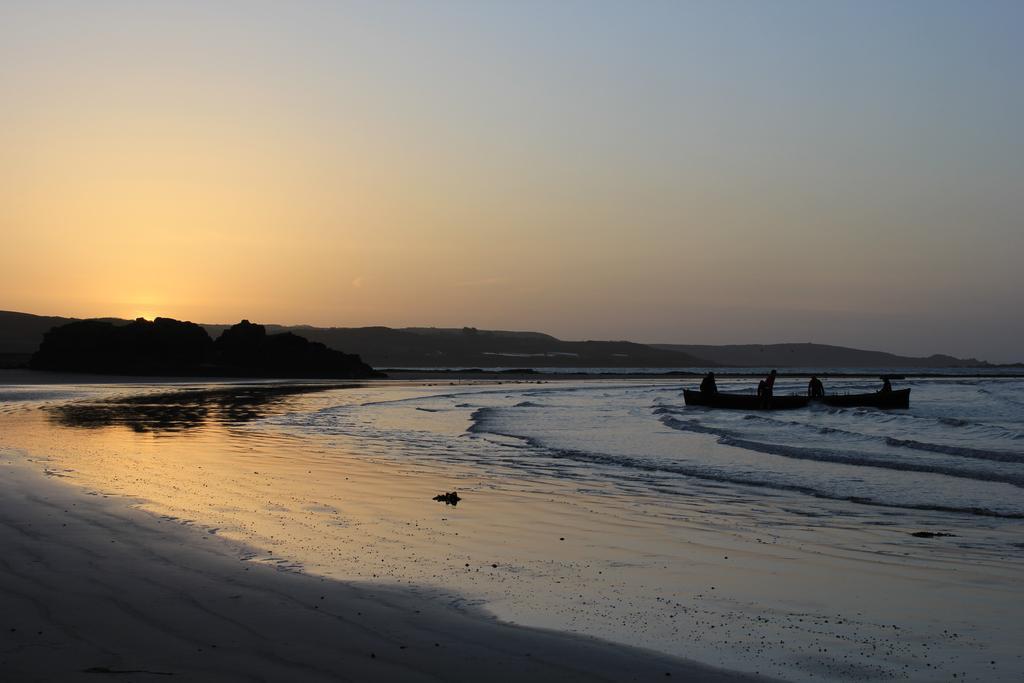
(708, 384)
(769, 385)
(815, 389)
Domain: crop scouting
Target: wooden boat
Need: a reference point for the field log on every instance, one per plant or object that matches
(743, 401)
(884, 400)
(898, 398)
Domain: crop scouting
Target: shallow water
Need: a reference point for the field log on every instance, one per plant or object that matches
(772, 542)
(959, 448)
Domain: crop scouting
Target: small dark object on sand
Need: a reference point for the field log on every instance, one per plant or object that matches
(930, 534)
(450, 498)
(106, 670)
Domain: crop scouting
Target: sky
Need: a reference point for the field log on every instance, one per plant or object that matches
(688, 172)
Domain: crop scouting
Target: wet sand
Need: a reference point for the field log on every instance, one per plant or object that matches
(90, 585)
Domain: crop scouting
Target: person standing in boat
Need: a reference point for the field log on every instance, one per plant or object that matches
(886, 386)
(815, 389)
(769, 385)
(708, 384)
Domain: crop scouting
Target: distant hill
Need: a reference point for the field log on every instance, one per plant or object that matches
(453, 331)
(435, 347)
(814, 355)
(20, 333)
(385, 347)
(423, 347)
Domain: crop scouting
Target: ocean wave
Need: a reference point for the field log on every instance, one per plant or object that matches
(613, 461)
(964, 428)
(961, 451)
(727, 438)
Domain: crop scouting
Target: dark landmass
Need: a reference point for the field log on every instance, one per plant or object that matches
(415, 347)
(469, 347)
(11, 361)
(248, 348)
(167, 347)
(21, 333)
(429, 347)
(815, 355)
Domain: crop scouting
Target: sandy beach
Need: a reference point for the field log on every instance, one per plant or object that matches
(92, 586)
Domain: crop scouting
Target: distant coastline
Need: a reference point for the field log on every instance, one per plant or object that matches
(552, 374)
(468, 349)
(27, 377)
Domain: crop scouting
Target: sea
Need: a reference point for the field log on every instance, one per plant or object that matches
(818, 543)
(959, 448)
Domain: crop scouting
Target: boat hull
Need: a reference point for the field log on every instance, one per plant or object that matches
(743, 401)
(890, 400)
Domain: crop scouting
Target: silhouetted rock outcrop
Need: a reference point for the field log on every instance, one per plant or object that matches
(248, 348)
(171, 347)
(142, 347)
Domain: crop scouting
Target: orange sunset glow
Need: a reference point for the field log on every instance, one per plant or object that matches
(192, 161)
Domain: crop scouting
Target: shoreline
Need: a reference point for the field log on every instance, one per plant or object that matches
(89, 584)
(22, 376)
(730, 373)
